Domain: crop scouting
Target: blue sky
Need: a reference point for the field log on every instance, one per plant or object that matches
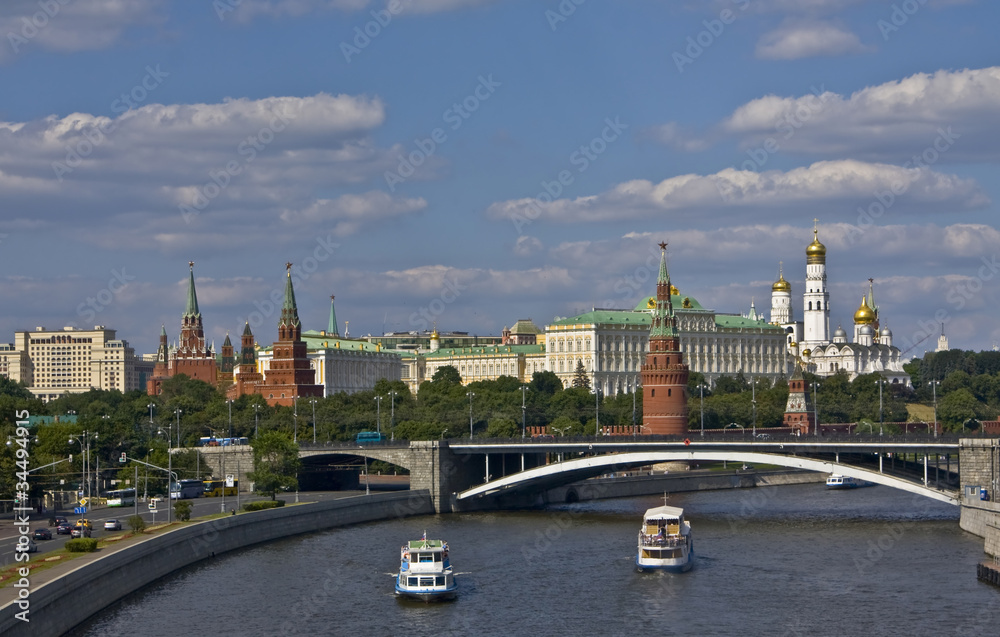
(556, 143)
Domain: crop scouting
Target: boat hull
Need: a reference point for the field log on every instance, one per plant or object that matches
(680, 565)
(427, 595)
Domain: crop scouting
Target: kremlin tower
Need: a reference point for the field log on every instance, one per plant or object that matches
(664, 374)
(816, 299)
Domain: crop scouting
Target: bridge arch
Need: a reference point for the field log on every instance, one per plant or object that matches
(559, 473)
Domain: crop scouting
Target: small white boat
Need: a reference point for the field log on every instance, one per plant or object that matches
(837, 481)
(425, 571)
(665, 541)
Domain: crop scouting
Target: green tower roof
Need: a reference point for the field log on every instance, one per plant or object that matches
(191, 309)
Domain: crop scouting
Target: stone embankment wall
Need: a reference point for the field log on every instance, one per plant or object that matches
(58, 606)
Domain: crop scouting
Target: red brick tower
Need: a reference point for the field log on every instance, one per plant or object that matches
(193, 357)
(161, 369)
(664, 374)
(246, 378)
(797, 412)
(290, 375)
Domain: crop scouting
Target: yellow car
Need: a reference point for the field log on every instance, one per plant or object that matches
(86, 523)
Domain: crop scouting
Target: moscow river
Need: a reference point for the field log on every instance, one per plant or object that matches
(781, 561)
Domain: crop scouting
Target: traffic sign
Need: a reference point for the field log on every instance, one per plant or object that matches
(123, 459)
(152, 507)
(79, 510)
(230, 480)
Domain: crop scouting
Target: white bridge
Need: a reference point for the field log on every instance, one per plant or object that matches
(591, 466)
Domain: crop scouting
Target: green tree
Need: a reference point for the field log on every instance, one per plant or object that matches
(136, 523)
(545, 383)
(447, 375)
(580, 378)
(502, 428)
(276, 463)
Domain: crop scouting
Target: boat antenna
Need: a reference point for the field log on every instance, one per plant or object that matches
(664, 498)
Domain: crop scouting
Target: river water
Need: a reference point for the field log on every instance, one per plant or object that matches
(793, 561)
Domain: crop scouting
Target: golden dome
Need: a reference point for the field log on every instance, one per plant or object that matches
(865, 315)
(781, 285)
(793, 344)
(806, 352)
(816, 251)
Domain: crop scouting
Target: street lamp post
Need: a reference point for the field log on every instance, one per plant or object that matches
(84, 441)
(313, 402)
(378, 414)
(880, 416)
(470, 395)
(392, 414)
(934, 384)
(701, 387)
(597, 412)
(178, 413)
(256, 411)
(524, 409)
(151, 405)
(170, 469)
(816, 407)
(295, 417)
(753, 404)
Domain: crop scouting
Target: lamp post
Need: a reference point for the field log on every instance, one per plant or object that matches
(378, 414)
(313, 402)
(84, 441)
(524, 411)
(880, 417)
(392, 414)
(753, 404)
(170, 469)
(295, 417)
(177, 412)
(701, 387)
(597, 412)
(934, 384)
(256, 411)
(816, 407)
(470, 395)
(151, 405)
(635, 432)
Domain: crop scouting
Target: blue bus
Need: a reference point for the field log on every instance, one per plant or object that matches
(368, 437)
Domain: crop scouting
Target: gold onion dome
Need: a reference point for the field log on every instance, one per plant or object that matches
(674, 291)
(781, 285)
(865, 315)
(816, 251)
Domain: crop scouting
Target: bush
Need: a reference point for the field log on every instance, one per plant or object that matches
(82, 545)
(182, 510)
(136, 523)
(263, 504)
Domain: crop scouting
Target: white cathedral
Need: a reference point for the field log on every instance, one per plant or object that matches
(870, 352)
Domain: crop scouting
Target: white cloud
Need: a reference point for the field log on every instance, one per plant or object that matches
(956, 113)
(795, 39)
(250, 9)
(80, 25)
(822, 184)
(527, 246)
(240, 164)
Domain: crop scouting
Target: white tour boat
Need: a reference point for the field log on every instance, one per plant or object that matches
(665, 541)
(425, 571)
(837, 481)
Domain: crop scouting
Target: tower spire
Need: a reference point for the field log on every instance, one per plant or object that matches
(191, 309)
(331, 328)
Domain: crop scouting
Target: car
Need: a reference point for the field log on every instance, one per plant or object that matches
(764, 436)
(84, 522)
(79, 531)
(112, 525)
(64, 528)
(42, 534)
(56, 521)
(30, 548)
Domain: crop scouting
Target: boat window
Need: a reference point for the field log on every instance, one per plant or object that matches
(412, 581)
(437, 557)
(425, 557)
(439, 581)
(427, 581)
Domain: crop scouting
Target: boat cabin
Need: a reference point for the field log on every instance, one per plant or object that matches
(667, 519)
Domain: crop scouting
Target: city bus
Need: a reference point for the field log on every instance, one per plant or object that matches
(121, 498)
(213, 488)
(183, 489)
(368, 437)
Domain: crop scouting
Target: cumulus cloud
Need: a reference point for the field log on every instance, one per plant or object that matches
(794, 40)
(821, 185)
(527, 246)
(250, 9)
(65, 27)
(190, 173)
(955, 112)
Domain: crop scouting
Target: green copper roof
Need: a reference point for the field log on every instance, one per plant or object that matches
(486, 350)
(732, 321)
(227, 342)
(613, 317)
(316, 340)
(191, 309)
(664, 322)
(246, 329)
